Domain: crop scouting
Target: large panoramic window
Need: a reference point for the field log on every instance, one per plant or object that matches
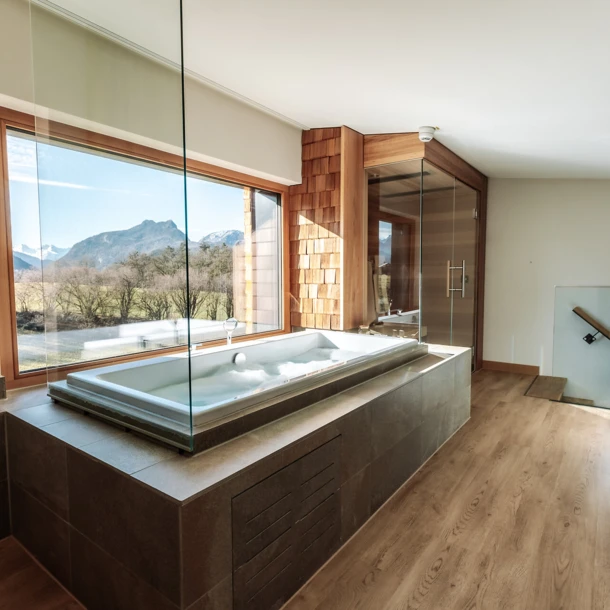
(101, 247)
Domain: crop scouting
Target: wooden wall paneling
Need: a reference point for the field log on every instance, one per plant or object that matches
(315, 233)
(380, 149)
(353, 230)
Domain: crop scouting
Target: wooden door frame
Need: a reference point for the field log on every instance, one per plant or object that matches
(9, 362)
(383, 149)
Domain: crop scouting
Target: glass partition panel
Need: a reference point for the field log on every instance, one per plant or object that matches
(465, 258)
(438, 264)
(581, 347)
(110, 166)
(394, 248)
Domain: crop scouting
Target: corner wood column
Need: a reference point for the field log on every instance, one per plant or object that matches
(327, 232)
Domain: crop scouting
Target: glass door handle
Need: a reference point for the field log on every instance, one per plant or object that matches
(462, 268)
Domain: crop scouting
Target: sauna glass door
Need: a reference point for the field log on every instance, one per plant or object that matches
(448, 259)
(463, 300)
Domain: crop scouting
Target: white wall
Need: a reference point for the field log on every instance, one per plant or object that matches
(540, 234)
(92, 82)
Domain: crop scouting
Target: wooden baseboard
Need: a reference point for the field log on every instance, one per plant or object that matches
(511, 367)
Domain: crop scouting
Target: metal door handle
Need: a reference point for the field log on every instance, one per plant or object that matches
(462, 268)
(463, 279)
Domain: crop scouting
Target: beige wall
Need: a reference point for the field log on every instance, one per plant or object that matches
(540, 234)
(90, 81)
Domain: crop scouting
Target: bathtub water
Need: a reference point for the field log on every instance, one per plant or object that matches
(231, 381)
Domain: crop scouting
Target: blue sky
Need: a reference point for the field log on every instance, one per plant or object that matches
(82, 194)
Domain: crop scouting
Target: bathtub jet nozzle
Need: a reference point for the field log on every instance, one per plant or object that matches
(239, 358)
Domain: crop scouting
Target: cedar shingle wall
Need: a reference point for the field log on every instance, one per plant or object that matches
(315, 242)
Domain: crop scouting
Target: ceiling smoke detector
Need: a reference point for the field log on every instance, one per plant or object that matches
(426, 133)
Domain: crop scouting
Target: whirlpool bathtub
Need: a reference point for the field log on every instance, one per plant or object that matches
(225, 391)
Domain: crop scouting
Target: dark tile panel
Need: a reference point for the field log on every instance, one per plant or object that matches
(439, 386)
(463, 369)
(37, 462)
(206, 543)
(128, 452)
(134, 524)
(102, 583)
(355, 502)
(394, 467)
(219, 598)
(45, 414)
(394, 415)
(82, 430)
(3, 470)
(431, 432)
(42, 532)
(457, 412)
(355, 430)
(5, 519)
(239, 464)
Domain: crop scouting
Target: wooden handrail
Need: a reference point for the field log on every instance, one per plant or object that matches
(598, 326)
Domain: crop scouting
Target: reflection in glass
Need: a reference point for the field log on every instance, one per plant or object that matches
(393, 248)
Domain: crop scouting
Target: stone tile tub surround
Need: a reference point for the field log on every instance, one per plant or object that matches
(125, 523)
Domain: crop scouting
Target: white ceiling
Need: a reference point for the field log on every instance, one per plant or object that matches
(519, 88)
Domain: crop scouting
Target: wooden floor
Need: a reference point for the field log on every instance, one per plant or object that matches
(512, 513)
(24, 585)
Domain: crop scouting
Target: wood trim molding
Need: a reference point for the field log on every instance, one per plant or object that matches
(7, 351)
(381, 149)
(353, 225)
(443, 158)
(511, 367)
(9, 365)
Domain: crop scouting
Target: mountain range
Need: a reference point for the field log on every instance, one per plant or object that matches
(108, 248)
(385, 250)
(25, 257)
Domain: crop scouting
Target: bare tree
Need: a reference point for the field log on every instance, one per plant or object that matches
(28, 290)
(225, 284)
(124, 283)
(189, 297)
(83, 289)
(212, 301)
(155, 300)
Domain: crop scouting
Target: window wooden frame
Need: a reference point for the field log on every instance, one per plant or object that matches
(12, 119)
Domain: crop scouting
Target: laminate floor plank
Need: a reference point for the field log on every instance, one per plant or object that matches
(513, 513)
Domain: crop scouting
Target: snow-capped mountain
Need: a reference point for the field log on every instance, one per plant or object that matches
(26, 257)
(228, 238)
(47, 252)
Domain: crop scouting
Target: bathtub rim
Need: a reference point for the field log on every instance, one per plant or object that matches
(184, 437)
